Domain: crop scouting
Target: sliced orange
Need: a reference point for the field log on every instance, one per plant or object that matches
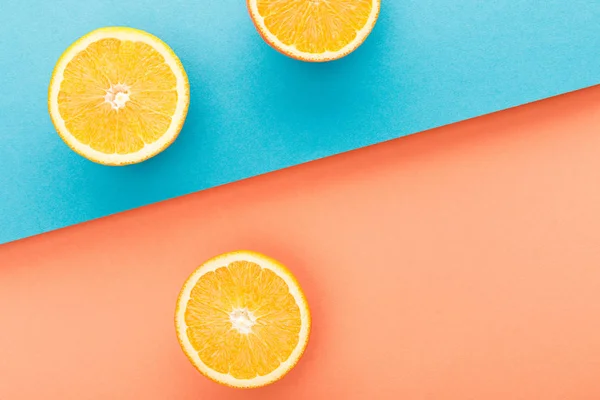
(118, 96)
(314, 30)
(242, 319)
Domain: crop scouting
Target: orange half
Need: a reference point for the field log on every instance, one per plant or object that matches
(118, 96)
(314, 30)
(242, 319)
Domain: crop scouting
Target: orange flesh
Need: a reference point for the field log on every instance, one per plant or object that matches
(102, 65)
(242, 285)
(315, 26)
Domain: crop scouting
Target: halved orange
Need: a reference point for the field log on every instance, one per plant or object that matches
(314, 30)
(118, 96)
(242, 319)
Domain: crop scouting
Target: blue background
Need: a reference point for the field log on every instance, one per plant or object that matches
(427, 63)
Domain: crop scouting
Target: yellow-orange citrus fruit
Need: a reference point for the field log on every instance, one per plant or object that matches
(242, 319)
(314, 30)
(118, 96)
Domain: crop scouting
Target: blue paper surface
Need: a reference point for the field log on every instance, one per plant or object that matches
(427, 63)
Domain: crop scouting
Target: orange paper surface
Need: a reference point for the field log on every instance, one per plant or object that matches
(459, 263)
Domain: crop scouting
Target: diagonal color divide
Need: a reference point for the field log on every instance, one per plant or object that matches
(427, 63)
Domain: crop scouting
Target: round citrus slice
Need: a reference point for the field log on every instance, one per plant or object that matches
(314, 30)
(118, 96)
(242, 319)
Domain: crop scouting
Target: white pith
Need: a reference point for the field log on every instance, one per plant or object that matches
(117, 95)
(242, 320)
(149, 149)
(325, 56)
(264, 262)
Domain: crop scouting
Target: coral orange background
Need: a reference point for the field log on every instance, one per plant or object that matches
(459, 263)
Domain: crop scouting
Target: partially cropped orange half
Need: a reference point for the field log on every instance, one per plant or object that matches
(242, 319)
(314, 30)
(118, 96)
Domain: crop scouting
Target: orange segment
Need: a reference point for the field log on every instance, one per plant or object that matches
(118, 96)
(314, 30)
(242, 319)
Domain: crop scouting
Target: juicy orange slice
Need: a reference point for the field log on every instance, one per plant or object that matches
(314, 30)
(118, 96)
(242, 319)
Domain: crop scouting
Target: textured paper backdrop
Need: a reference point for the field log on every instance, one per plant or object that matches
(427, 63)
